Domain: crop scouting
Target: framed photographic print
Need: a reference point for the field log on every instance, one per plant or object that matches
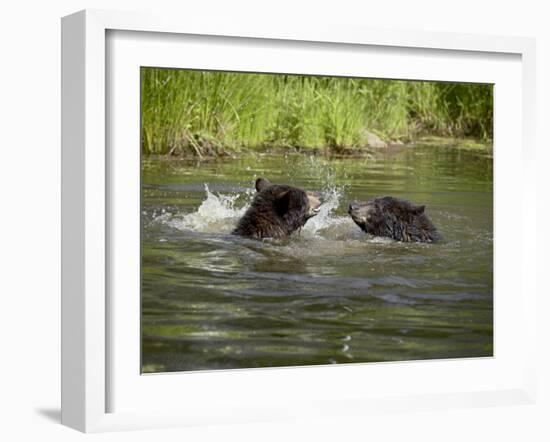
(264, 223)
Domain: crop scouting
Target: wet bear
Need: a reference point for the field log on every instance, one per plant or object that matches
(393, 218)
(277, 211)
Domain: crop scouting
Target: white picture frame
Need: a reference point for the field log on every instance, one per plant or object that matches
(87, 211)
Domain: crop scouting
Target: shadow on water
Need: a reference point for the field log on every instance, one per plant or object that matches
(329, 294)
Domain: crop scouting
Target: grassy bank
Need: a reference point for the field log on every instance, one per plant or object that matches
(210, 113)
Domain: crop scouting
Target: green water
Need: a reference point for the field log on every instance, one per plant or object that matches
(330, 294)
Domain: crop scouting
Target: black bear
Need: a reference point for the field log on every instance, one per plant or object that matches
(394, 218)
(277, 211)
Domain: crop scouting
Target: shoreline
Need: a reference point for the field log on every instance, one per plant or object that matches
(469, 144)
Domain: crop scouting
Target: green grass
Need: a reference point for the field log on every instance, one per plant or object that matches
(212, 113)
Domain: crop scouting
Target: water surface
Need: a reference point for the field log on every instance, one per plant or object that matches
(330, 294)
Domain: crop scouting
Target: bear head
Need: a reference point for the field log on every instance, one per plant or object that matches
(277, 211)
(393, 218)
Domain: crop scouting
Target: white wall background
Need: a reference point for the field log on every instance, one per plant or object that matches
(30, 215)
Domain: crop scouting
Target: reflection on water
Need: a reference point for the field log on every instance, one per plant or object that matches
(330, 293)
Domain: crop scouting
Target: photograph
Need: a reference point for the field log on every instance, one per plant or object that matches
(303, 220)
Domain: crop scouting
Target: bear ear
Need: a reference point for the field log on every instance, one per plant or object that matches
(261, 183)
(282, 202)
(418, 210)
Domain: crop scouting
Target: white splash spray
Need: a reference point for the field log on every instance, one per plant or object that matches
(325, 219)
(217, 213)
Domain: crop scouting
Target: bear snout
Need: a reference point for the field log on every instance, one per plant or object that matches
(353, 207)
(314, 202)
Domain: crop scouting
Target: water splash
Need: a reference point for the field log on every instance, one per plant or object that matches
(326, 220)
(217, 213)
